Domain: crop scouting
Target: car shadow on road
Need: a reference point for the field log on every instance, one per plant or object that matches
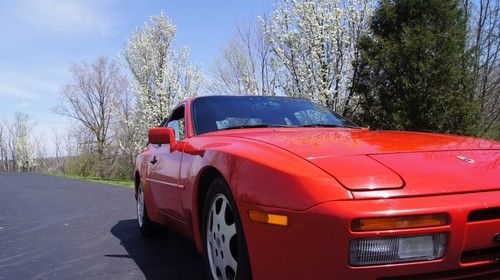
(163, 255)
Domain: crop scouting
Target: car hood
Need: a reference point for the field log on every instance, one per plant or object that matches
(395, 163)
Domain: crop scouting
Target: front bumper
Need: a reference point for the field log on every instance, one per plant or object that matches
(315, 245)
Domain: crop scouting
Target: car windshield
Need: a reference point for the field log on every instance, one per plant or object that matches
(212, 113)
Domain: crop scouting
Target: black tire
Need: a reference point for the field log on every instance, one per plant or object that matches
(236, 243)
(146, 226)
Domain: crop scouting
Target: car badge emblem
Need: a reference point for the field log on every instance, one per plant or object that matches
(496, 238)
(466, 159)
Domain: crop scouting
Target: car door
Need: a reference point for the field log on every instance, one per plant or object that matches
(167, 163)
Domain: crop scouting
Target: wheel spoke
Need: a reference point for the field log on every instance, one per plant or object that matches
(228, 257)
(229, 231)
(224, 276)
(219, 221)
(232, 263)
(223, 208)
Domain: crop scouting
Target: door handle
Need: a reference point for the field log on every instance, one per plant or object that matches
(154, 160)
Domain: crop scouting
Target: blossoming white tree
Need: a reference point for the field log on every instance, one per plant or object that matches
(162, 76)
(314, 44)
(22, 152)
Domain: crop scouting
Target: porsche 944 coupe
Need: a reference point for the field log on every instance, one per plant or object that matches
(282, 188)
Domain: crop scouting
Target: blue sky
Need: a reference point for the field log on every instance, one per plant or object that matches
(40, 38)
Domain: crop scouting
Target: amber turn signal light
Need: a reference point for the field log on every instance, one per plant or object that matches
(268, 218)
(405, 222)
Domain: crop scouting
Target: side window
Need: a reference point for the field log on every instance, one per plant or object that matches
(176, 121)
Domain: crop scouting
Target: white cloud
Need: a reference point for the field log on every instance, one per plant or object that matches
(75, 16)
(16, 92)
(24, 86)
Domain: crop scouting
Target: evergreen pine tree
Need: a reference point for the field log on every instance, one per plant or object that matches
(415, 70)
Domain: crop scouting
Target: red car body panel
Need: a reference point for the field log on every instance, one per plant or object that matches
(323, 179)
(317, 238)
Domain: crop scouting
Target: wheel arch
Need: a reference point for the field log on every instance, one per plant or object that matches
(205, 178)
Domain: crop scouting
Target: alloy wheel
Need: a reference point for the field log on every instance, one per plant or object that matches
(221, 236)
(140, 206)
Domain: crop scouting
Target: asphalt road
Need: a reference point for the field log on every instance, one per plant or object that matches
(55, 228)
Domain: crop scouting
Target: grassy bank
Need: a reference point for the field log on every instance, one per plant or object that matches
(115, 182)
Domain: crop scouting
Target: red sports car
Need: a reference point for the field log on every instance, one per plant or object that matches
(281, 188)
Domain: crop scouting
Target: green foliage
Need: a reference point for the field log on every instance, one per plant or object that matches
(122, 168)
(90, 165)
(415, 73)
(494, 132)
(83, 165)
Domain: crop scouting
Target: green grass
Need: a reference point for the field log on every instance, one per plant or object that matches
(116, 182)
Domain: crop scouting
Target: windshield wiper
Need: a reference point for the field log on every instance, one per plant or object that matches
(254, 126)
(320, 125)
